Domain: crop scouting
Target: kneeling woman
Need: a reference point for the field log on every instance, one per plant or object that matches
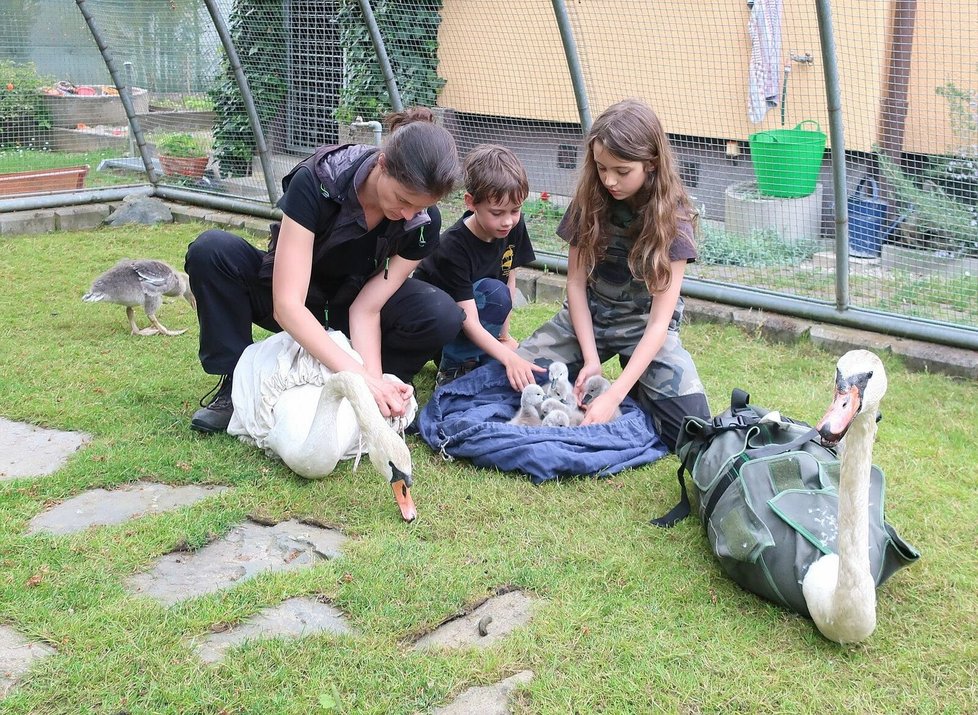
(357, 220)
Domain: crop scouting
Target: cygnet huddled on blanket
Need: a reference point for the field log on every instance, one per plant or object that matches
(529, 413)
(552, 405)
(556, 418)
(597, 385)
(560, 386)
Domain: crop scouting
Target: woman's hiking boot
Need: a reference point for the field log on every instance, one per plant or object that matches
(216, 414)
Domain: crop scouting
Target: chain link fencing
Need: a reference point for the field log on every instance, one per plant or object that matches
(740, 87)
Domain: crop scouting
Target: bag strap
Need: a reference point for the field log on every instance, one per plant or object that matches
(744, 414)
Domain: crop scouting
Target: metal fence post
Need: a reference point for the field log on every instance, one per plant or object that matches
(573, 64)
(382, 58)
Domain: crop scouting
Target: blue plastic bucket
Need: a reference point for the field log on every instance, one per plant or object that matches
(866, 215)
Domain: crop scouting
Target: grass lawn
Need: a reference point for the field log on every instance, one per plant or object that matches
(632, 619)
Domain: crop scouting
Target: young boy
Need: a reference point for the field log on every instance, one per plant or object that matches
(474, 263)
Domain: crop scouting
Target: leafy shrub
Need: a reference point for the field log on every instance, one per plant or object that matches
(180, 145)
(23, 114)
(763, 247)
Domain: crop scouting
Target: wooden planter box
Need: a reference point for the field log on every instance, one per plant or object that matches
(38, 181)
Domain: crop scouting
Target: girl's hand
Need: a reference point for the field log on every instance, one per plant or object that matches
(520, 371)
(602, 409)
(586, 372)
(392, 398)
(509, 341)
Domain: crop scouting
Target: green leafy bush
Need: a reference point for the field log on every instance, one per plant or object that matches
(180, 145)
(23, 115)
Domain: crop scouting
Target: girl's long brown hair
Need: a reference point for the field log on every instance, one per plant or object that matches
(632, 132)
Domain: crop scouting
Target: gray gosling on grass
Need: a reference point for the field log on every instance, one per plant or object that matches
(529, 412)
(597, 385)
(560, 386)
(141, 282)
(552, 405)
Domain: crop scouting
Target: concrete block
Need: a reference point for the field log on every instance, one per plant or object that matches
(228, 220)
(20, 223)
(551, 288)
(773, 327)
(943, 359)
(187, 214)
(258, 227)
(838, 340)
(80, 218)
(526, 282)
(702, 311)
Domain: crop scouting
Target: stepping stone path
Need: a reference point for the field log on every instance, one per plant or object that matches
(247, 550)
(16, 656)
(102, 507)
(490, 622)
(294, 618)
(486, 700)
(29, 451)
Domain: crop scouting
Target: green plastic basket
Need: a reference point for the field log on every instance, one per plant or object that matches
(787, 161)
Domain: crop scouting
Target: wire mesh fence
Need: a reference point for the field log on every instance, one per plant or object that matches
(740, 88)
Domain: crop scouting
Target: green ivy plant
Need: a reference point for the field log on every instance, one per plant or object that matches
(410, 32)
(23, 115)
(256, 28)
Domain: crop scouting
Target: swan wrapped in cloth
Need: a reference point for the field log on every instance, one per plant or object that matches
(296, 409)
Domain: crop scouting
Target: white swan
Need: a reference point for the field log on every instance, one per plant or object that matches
(840, 590)
(289, 404)
(528, 413)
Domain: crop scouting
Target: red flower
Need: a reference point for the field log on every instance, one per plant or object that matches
(544, 196)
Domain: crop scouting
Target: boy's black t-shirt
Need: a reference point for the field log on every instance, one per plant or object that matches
(462, 258)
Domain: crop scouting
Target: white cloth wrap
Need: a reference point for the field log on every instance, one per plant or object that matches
(276, 377)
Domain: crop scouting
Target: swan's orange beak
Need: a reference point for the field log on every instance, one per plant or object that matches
(833, 426)
(402, 495)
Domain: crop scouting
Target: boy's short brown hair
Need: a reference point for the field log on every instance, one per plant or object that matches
(494, 173)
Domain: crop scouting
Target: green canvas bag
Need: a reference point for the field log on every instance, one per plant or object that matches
(768, 498)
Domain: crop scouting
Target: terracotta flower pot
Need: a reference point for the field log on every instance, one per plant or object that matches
(192, 167)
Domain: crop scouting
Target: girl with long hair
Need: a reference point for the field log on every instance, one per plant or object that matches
(630, 226)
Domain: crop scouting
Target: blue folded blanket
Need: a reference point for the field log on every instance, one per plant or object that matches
(468, 418)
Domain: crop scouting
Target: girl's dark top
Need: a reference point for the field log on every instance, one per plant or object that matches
(683, 246)
(462, 258)
(320, 195)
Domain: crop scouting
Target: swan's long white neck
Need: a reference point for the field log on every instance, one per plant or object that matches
(855, 577)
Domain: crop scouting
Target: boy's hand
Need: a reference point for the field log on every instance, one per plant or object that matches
(520, 371)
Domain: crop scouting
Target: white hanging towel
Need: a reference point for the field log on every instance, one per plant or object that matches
(764, 77)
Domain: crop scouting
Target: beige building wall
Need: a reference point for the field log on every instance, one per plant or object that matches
(689, 59)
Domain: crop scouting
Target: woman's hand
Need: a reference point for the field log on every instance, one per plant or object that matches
(393, 398)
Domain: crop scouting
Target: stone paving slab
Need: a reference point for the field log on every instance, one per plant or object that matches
(488, 699)
(29, 451)
(489, 623)
(246, 551)
(103, 507)
(17, 654)
(294, 618)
